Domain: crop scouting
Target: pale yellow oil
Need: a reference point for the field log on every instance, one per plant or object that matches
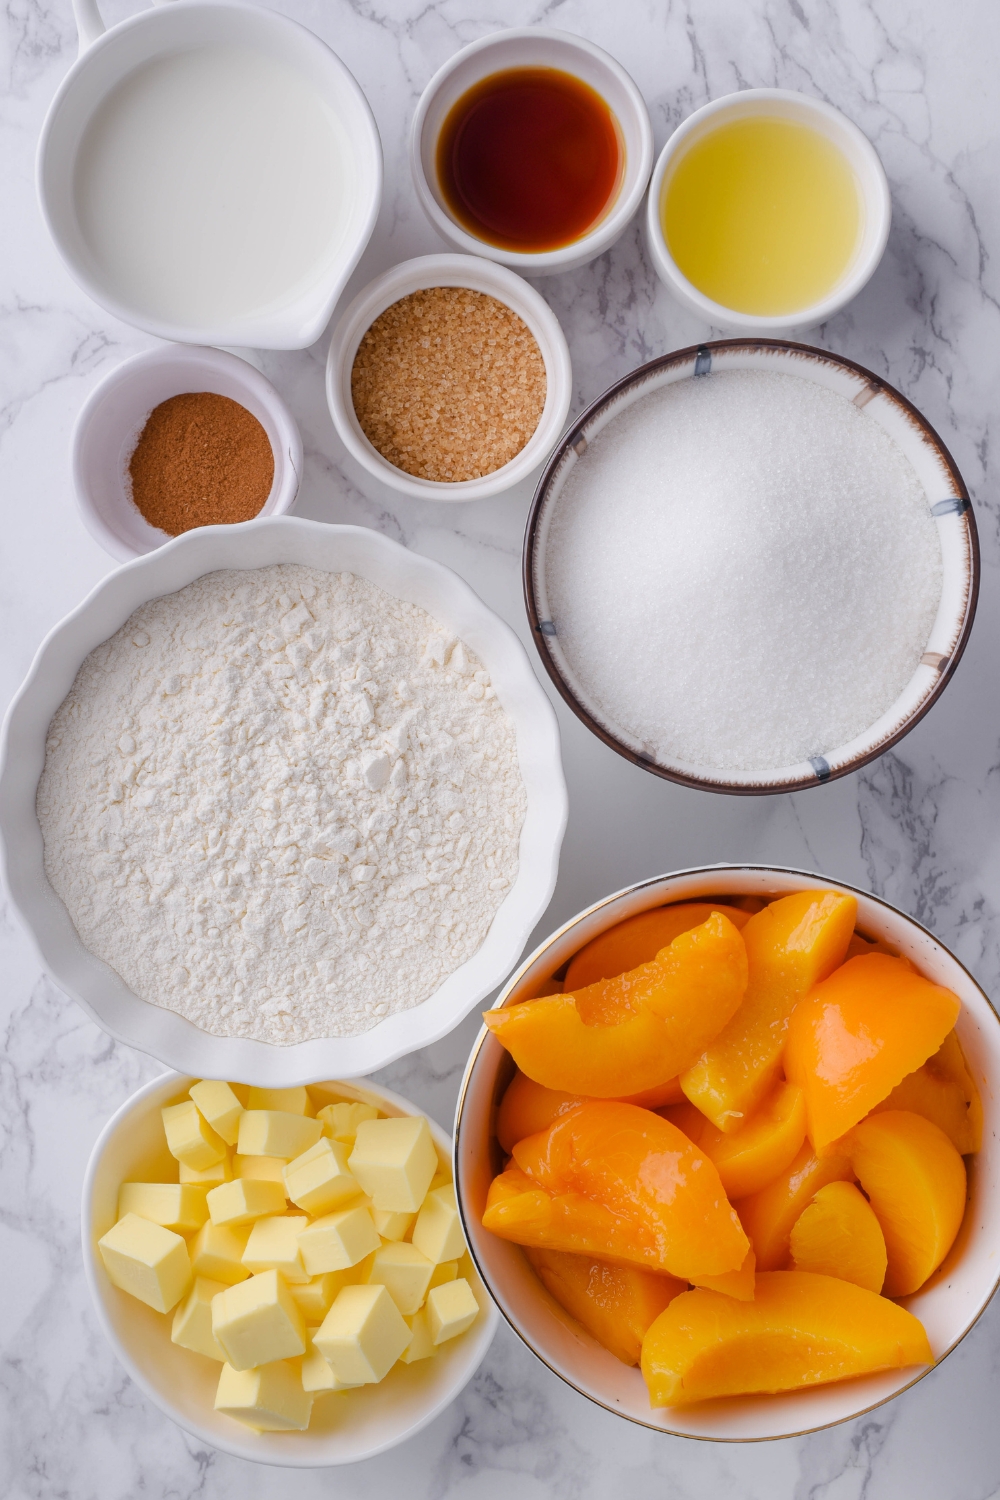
(763, 215)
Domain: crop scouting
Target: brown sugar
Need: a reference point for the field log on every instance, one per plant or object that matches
(201, 460)
(448, 384)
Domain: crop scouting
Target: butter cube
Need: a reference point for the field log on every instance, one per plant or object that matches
(441, 1178)
(451, 1309)
(243, 1199)
(362, 1335)
(392, 1226)
(257, 1322)
(394, 1161)
(261, 1168)
(319, 1180)
(221, 1171)
(217, 1252)
(189, 1138)
(177, 1206)
(269, 1399)
(274, 1132)
(421, 1345)
(404, 1272)
(446, 1270)
(219, 1106)
(341, 1121)
(288, 1101)
(316, 1297)
(147, 1261)
(274, 1246)
(438, 1230)
(192, 1326)
(338, 1240)
(317, 1372)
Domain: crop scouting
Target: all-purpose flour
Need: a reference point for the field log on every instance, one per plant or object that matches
(281, 803)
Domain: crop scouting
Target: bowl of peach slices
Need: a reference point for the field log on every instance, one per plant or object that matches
(726, 1152)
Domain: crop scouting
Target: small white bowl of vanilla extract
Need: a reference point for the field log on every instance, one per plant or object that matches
(768, 211)
(532, 148)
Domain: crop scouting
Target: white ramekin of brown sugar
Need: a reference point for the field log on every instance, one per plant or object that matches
(422, 420)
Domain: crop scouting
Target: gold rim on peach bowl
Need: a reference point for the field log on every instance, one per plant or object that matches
(949, 1304)
(950, 505)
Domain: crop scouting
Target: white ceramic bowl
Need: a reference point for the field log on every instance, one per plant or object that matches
(856, 147)
(947, 499)
(285, 539)
(481, 276)
(345, 1428)
(534, 47)
(947, 1306)
(115, 413)
(107, 58)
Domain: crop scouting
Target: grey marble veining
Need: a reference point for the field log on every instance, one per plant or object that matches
(918, 826)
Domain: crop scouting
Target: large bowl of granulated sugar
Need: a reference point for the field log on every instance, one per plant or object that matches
(751, 566)
(281, 801)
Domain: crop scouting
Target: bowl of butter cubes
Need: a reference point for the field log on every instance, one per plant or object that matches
(283, 1271)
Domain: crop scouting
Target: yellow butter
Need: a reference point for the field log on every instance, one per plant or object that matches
(219, 1106)
(341, 1121)
(317, 1372)
(273, 1132)
(192, 1325)
(316, 1297)
(404, 1272)
(392, 1226)
(394, 1161)
(438, 1229)
(257, 1322)
(446, 1270)
(274, 1246)
(451, 1309)
(269, 1399)
(338, 1240)
(221, 1171)
(261, 1168)
(147, 1261)
(217, 1252)
(362, 1335)
(177, 1206)
(421, 1345)
(319, 1180)
(189, 1138)
(288, 1101)
(244, 1199)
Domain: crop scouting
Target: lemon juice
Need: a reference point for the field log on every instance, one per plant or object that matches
(763, 215)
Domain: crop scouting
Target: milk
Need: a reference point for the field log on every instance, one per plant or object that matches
(212, 184)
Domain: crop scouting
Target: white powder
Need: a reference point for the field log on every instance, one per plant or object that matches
(281, 803)
(743, 572)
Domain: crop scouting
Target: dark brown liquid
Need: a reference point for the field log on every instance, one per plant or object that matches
(529, 159)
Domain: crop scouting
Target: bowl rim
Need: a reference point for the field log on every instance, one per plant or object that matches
(716, 313)
(575, 438)
(287, 456)
(449, 268)
(708, 872)
(93, 1273)
(607, 229)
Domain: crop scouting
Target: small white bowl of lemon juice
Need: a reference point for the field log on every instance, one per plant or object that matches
(768, 211)
(210, 172)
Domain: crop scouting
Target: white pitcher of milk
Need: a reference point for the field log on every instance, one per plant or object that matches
(210, 172)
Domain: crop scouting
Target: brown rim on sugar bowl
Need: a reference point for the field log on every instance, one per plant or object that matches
(949, 1303)
(936, 470)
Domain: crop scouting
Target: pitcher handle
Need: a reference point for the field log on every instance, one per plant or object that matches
(89, 25)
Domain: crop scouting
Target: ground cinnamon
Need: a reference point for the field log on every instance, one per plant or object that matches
(201, 460)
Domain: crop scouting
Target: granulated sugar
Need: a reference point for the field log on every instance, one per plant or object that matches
(743, 572)
(281, 803)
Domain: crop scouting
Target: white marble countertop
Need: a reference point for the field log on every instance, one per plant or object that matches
(918, 826)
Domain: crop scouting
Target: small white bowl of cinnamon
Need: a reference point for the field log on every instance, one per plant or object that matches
(180, 437)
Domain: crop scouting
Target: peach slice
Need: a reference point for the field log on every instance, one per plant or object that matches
(839, 1235)
(643, 1170)
(639, 939)
(734, 1283)
(800, 1330)
(915, 1181)
(760, 1150)
(528, 1107)
(944, 1092)
(858, 1034)
(616, 1304)
(768, 1216)
(790, 945)
(626, 1035)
